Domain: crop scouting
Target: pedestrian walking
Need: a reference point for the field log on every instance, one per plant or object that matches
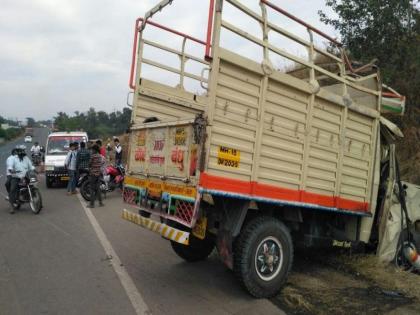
(118, 152)
(70, 163)
(96, 165)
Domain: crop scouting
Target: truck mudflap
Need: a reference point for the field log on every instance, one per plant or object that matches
(164, 230)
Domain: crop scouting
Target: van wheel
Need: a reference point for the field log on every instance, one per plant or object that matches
(263, 256)
(197, 249)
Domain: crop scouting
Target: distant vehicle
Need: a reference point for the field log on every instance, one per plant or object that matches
(58, 144)
(29, 132)
(28, 138)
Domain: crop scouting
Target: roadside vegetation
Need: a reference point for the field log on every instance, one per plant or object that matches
(9, 133)
(98, 124)
(388, 31)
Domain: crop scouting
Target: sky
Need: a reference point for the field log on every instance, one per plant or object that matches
(62, 55)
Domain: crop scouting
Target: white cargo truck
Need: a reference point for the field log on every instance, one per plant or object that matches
(263, 160)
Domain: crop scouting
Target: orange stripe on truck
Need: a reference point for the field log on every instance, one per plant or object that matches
(255, 189)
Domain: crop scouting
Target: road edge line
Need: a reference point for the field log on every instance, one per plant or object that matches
(137, 301)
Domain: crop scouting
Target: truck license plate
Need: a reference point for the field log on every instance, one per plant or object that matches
(64, 178)
(199, 229)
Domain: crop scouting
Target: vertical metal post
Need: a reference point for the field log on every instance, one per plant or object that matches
(183, 61)
(309, 112)
(207, 55)
(266, 63)
(213, 75)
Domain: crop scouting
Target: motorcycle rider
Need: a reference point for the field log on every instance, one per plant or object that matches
(18, 169)
(35, 150)
(9, 166)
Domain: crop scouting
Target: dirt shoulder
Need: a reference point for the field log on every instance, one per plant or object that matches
(339, 283)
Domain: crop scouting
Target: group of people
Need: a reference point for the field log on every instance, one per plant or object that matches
(17, 166)
(91, 160)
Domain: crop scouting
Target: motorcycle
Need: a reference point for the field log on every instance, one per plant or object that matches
(113, 179)
(36, 159)
(28, 192)
(83, 177)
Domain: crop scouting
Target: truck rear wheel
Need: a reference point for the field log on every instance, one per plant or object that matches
(263, 256)
(196, 251)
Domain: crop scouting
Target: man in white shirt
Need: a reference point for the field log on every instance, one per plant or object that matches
(71, 166)
(36, 149)
(21, 165)
(118, 152)
(9, 167)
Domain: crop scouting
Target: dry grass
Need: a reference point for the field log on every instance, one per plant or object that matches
(383, 275)
(294, 299)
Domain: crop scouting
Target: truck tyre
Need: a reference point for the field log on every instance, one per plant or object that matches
(196, 251)
(263, 256)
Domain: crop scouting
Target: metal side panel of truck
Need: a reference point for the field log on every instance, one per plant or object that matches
(261, 155)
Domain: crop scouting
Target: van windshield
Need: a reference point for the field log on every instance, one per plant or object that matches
(60, 145)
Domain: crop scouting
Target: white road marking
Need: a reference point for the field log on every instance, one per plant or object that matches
(133, 294)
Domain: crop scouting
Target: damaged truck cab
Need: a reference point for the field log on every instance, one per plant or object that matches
(262, 159)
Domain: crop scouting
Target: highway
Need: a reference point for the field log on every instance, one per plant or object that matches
(60, 262)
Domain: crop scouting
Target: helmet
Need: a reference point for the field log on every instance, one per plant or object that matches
(20, 149)
(36, 143)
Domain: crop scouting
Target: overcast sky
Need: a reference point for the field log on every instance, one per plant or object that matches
(62, 55)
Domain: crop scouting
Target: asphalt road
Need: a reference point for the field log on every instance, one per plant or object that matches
(54, 263)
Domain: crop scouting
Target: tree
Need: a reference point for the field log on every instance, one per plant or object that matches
(30, 122)
(388, 30)
(97, 124)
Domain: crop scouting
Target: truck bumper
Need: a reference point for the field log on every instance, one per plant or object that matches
(57, 175)
(164, 230)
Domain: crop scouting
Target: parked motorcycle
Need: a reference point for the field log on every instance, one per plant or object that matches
(28, 192)
(83, 177)
(113, 179)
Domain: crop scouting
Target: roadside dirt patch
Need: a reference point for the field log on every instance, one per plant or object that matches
(334, 283)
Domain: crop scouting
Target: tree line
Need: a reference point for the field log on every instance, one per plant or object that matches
(388, 31)
(98, 124)
(10, 133)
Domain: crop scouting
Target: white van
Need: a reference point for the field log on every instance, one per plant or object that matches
(58, 144)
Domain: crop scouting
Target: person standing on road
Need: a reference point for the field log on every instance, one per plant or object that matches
(21, 165)
(102, 150)
(118, 152)
(70, 164)
(9, 168)
(96, 165)
(83, 158)
(108, 149)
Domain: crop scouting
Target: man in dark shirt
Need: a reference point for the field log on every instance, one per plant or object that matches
(95, 172)
(82, 160)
